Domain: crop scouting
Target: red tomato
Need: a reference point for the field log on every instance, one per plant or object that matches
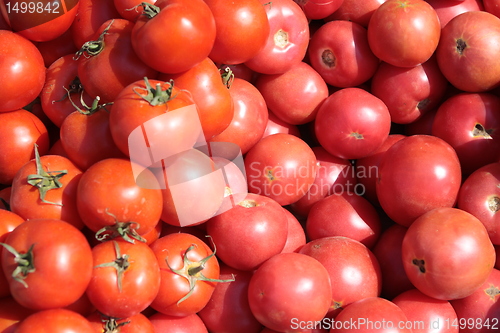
(259, 222)
(242, 30)
(11, 314)
(108, 63)
(317, 10)
(295, 95)
(466, 48)
(55, 321)
(447, 253)
(289, 288)
(296, 236)
(189, 274)
(180, 18)
(131, 9)
(209, 92)
(344, 61)
(409, 92)
(356, 11)
(282, 167)
(250, 116)
(8, 222)
(353, 269)
(46, 188)
(56, 48)
(417, 174)
(118, 206)
(22, 71)
(276, 125)
(40, 21)
(352, 123)
(404, 33)
(54, 253)
(125, 279)
(287, 39)
(20, 130)
(186, 324)
(136, 323)
(448, 9)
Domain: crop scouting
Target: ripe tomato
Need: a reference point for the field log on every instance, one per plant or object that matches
(356, 11)
(296, 236)
(447, 253)
(56, 48)
(133, 324)
(448, 9)
(22, 71)
(404, 33)
(289, 287)
(189, 274)
(131, 9)
(41, 253)
(180, 18)
(125, 279)
(55, 321)
(317, 10)
(8, 222)
(242, 30)
(20, 130)
(11, 314)
(186, 324)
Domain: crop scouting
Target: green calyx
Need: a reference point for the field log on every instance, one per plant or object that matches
(24, 261)
(149, 10)
(121, 264)
(126, 230)
(155, 96)
(45, 180)
(93, 47)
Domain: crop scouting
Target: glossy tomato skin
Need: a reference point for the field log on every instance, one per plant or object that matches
(417, 174)
(344, 258)
(317, 10)
(282, 167)
(242, 29)
(356, 11)
(20, 130)
(56, 48)
(8, 222)
(170, 251)
(352, 123)
(344, 61)
(287, 40)
(413, 21)
(180, 18)
(448, 9)
(53, 242)
(11, 314)
(186, 324)
(447, 253)
(276, 125)
(22, 71)
(295, 95)
(296, 236)
(55, 320)
(459, 47)
(125, 294)
(293, 285)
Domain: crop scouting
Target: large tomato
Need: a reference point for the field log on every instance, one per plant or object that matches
(356, 11)
(191, 34)
(186, 324)
(404, 33)
(448, 9)
(447, 253)
(466, 51)
(22, 71)
(41, 253)
(55, 321)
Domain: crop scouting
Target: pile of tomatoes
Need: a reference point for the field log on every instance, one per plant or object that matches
(249, 166)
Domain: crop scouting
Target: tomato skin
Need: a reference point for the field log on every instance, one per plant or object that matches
(128, 10)
(22, 71)
(170, 251)
(356, 11)
(8, 222)
(25, 198)
(136, 323)
(20, 130)
(140, 281)
(11, 314)
(174, 324)
(54, 242)
(180, 18)
(56, 321)
(242, 29)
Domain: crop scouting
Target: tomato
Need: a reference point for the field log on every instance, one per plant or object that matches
(296, 236)
(56, 321)
(11, 314)
(46, 188)
(9, 221)
(356, 11)
(242, 30)
(45, 247)
(20, 130)
(316, 10)
(115, 206)
(344, 61)
(108, 63)
(404, 33)
(461, 49)
(287, 39)
(180, 18)
(289, 287)
(228, 309)
(135, 323)
(250, 116)
(352, 123)
(295, 95)
(353, 269)
(276, 125)
(448, 9)
(209, 92)
(187, 324)
(447, 253)
(473, 133)
(282, 167)
(189, 274)
(40, 21)
(56, 48)
(125, 278)
(259, 222)
(409, 92)
(22, 71)
(417, 174)
(131, 9)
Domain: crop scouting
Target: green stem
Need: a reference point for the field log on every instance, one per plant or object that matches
(24, 261)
